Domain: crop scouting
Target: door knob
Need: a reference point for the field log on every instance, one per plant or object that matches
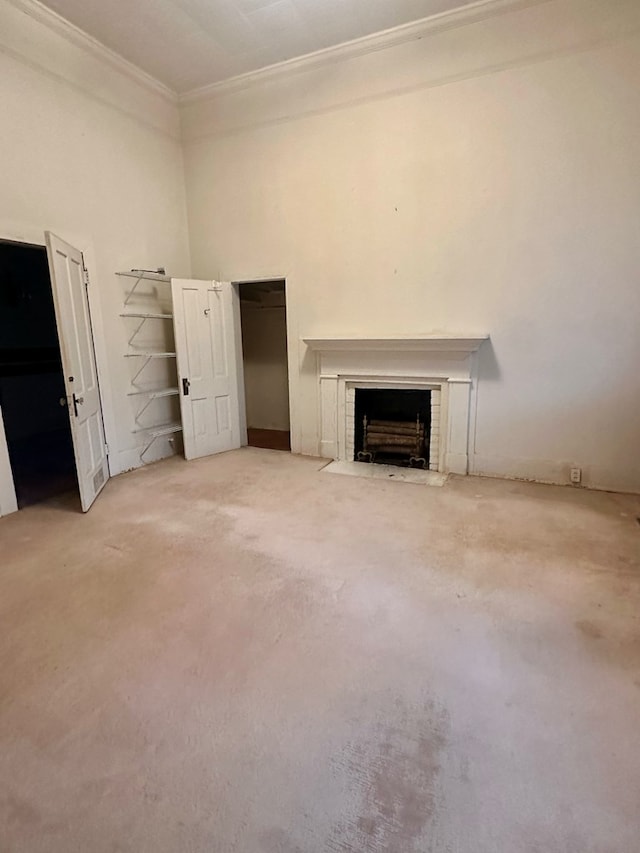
(63, 401)
(77, 401)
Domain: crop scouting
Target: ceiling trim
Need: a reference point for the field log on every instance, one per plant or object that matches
(413, 31)
(83, 40)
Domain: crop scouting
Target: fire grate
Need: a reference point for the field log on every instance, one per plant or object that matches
(404, 439)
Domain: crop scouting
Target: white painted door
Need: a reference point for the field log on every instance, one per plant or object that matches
(79, 365)
(207, 367)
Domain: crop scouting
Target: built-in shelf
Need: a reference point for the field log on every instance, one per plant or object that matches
(143, 275)
(137, 298)
(150, 354)
(156, 432)
(142, 316)
(160, 392)
(160, 429)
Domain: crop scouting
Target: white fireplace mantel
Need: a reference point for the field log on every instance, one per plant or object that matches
(445, 363)
(454, 345)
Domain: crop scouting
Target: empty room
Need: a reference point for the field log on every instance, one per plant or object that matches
(319, 426)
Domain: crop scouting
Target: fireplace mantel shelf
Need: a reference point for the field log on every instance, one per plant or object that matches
(464, 344)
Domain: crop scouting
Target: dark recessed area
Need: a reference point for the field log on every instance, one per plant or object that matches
(397, 426)
(32, 390)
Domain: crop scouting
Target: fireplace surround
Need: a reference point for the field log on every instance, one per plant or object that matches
(443, 365)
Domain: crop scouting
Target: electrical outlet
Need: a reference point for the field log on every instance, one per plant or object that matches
(576, 475)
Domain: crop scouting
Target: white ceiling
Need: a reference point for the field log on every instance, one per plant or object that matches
(191, 43)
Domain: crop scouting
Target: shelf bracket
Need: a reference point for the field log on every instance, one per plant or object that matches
(132, 291)
(138, 327)
(143, 410)
(148, 445)
(140, 369)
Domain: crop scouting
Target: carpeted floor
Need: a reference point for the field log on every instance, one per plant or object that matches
(246, 655)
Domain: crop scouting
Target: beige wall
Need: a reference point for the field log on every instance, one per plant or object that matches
(93, 155)
(481, 179)
(266, 381)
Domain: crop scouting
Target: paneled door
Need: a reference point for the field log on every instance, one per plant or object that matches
(207, 366)
(69, 283)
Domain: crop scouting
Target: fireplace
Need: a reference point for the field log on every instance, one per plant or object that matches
(392, 426)
(444, 366)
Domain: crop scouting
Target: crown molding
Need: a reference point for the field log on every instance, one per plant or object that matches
(413, 31)
(85, 42)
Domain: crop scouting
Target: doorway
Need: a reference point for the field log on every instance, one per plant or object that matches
(32, 390)
(263, 317)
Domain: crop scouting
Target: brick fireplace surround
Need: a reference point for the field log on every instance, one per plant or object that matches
(445, 364)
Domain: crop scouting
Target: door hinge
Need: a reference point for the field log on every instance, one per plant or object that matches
(106, 449)
(85, 271)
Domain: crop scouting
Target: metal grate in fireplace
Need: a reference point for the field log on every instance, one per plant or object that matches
(392, 426)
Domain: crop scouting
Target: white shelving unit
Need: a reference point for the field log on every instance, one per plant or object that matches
(153, 395)
(148, 316)
(147, 396)
(156, 432)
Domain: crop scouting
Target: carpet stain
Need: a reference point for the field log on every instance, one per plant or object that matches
(589, 629)
(276, 840)
(393, 776)
(17, 811)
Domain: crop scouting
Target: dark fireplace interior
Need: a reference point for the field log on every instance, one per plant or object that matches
(392, 426)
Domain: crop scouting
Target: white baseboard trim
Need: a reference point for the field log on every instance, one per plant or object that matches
(127, 460)
(456, 463)
(328, 450)
(554, 472)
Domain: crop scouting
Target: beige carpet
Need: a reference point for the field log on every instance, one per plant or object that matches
(246, 655)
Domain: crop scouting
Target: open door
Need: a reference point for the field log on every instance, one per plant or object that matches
(207, 369)
(79, 365)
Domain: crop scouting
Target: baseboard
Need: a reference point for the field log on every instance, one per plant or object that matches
(456, 463)
(555, 472)
(328, 450)
(127, 460)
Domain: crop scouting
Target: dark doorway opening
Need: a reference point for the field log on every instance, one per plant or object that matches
(392, 426)
(263, 317)
(32, 391)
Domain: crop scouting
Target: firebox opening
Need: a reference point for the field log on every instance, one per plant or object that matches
(392, 426)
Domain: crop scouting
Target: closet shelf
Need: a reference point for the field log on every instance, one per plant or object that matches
(150, 354)
(150, 306)
(148, 316)
(144, 275)
(159, 392)
(160, 429)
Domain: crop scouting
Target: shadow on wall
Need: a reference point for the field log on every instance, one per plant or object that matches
(488, 367)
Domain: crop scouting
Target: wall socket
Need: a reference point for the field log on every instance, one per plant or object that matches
(576, 475)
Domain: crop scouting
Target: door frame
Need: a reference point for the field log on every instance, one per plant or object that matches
(237, 318)
(31, 236)
(237, 334)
